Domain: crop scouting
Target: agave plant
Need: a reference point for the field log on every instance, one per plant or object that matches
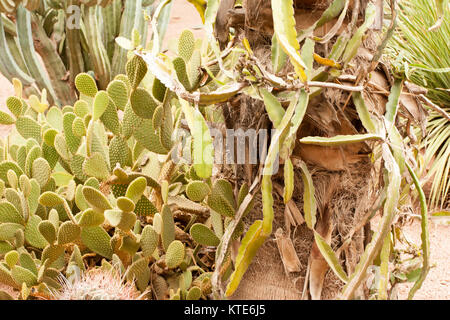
(74, 36)
(420, 50)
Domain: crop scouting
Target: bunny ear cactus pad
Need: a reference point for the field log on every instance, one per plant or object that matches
(48, 231)
(101, 101)
(136, 69)
(197, 191)
(167, 227)
(149, 240)
(175, 254)
(86, 84)
(203, 235)
(68, 232)
(50, 199)
(14, 105)
(97, 240)
(186, 45)
(142, 103)
(136, 189)
(120, 219)
(91, 218)
(96, 199)
(41, 171)
(118, 92)
(96, 166)
(222, 199)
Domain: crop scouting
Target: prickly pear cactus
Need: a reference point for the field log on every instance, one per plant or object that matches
(98, 181)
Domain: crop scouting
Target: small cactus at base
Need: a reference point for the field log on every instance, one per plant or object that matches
(98, 284)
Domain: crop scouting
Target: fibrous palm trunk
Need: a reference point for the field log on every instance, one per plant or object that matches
(346, 181)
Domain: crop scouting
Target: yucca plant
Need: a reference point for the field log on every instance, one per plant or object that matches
(419, 49)
(73, 36)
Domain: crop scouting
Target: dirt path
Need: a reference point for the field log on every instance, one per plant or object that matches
(437, 284)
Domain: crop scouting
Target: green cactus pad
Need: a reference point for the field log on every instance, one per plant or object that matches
(97, 240)
(81, 108)
(197, 191)
(32, 234)
(8, 213)
(118, 152)
(203, 235)
(222, 199)
(28, 128)
(14, 198)
(149, 241)
(50, 199)
(145, 207)
(22, 275)
(96, 199)
(96, 166)
(6, 278)
(25, 185)
(73, 142)
(92, 182)
(52, 253)
(86, 84)
(118, 92)
(41, 171)
(120, 219)
(136, 189)
(130, 121)
(8, 230)
(78, 127)
(136, 69)
(76, 165)
(6, 119)
(49, 136)
(125, 204)
(21, 157)
(175, 254)
(110, 119)
(167, 227)
(158, 90)
(180, 68)
(53, 217)
(146, 135)
(76, 258)
(194, 71)
(129, 245)
(12, 178)
(101, 102)
(68, 232)
(157, 117)
(91, 218)
(195, 293)
(186, 45)
(61, 147)
(142, 103)
(140, 272)
(48, 231)
(11, 258)
(26, 261)
(32, 155)
(15, 106)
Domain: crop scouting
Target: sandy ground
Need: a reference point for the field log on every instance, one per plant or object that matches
(437, 284)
